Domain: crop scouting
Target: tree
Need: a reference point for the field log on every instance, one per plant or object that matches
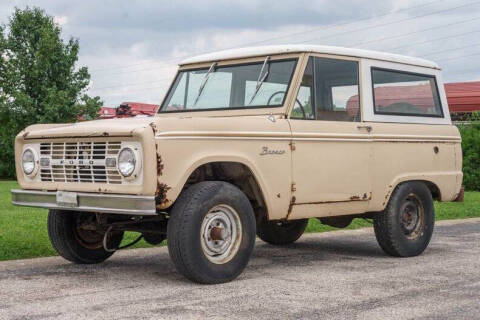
(39, 81)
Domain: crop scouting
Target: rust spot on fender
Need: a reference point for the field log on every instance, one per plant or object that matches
(161, 194)
(387, 196)
(162, 188)
(160, 165)
(25, 134)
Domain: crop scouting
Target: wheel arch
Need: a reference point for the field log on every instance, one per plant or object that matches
(237, 171)
(431, 185)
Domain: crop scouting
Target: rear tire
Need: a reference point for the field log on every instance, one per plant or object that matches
(76, 244)
(281, 232)
(211, 232)
(405, 227)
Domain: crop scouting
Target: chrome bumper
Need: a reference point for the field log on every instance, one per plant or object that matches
(93, 202)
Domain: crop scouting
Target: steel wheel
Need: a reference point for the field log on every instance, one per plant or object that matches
(405, 227)
(221, 234)
(86, 232)
(412, 217)
(211, 232)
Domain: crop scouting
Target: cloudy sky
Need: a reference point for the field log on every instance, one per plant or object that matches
(132, 47)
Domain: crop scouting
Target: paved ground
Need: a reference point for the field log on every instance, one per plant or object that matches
(335, 275)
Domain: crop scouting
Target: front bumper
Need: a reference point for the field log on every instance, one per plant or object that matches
(92, 202)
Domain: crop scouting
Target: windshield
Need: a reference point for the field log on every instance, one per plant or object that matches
(235, 86)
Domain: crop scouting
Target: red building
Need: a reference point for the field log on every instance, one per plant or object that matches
(463, 98)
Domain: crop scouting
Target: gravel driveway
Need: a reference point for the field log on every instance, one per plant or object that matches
(334, 275)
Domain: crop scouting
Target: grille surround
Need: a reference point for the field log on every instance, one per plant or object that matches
(80, 162)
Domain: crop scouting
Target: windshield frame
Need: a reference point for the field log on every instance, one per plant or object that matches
(225, 63)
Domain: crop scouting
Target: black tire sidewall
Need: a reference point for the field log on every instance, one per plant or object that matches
(200, 199)
(271, 232)
(402, 245)
(61, 226)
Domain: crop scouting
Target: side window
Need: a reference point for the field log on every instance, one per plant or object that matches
(336, 90)
(329, 91)
(303, 104)
(403, 93)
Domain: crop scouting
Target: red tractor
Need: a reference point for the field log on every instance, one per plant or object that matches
(128, 109)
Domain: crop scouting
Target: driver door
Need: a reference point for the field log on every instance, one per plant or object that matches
(332, 149)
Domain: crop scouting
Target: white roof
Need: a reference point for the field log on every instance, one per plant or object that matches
(296, 48)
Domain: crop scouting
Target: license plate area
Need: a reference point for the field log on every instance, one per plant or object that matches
(67, 199)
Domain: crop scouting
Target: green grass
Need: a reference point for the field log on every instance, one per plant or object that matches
(23, 231)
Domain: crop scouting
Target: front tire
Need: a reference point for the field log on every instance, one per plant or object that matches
(281, 232)
(211, 232)
(78, 244)
(405, 228)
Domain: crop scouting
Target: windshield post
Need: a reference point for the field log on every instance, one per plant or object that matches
(185, 98)
(204, 82)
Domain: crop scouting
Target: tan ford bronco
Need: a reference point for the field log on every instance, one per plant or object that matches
(252, 142)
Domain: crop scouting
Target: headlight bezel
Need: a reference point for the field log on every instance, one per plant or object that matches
(136, 163)
(34, 170)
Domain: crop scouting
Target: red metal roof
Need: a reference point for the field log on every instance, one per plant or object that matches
(386, 97)
(463, 96)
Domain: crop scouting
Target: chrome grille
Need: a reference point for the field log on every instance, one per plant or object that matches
(79, 162)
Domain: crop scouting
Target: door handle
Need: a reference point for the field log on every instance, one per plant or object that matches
(366, 127)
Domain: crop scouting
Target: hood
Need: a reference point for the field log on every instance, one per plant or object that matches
(124, 127)
(129, 127)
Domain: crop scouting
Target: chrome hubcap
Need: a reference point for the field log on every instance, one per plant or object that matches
(221, 234)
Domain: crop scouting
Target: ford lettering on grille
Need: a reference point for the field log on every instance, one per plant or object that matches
(79, 162)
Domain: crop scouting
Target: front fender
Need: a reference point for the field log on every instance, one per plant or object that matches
(179, 158)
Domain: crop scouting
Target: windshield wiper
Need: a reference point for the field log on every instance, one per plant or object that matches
(204, 82)
(260, 79)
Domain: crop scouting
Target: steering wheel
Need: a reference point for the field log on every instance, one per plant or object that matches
(299, 103)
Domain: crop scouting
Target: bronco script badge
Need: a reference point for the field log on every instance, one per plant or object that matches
(266, 151)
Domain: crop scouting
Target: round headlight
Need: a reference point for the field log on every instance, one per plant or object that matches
(126, 162)
(28, 161)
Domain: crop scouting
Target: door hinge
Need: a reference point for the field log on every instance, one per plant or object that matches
(294, 187)
(292, 146)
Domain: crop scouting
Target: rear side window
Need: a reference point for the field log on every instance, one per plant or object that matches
(405, 94)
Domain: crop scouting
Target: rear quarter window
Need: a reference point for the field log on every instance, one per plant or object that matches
(405, 94)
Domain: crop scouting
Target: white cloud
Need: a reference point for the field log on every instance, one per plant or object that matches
(61, 20)
(132, 49)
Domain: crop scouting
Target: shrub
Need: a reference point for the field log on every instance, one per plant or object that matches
(471, 153)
